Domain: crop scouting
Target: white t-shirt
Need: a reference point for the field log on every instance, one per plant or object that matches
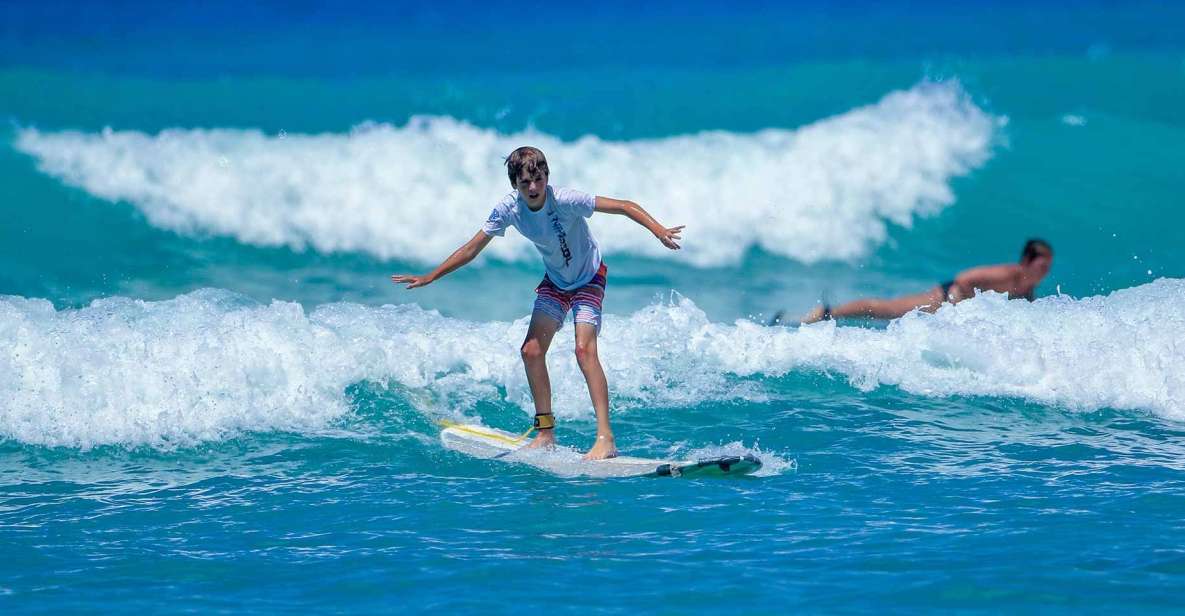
(558, 229)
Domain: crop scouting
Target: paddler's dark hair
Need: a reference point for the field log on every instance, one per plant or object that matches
(1034, 248)
(527, 159)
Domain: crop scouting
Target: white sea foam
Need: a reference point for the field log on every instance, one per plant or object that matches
(210, 364)
(825, 190)
(1119, 351)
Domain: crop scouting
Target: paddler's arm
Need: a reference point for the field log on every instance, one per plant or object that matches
(460, 257)
(987, 278)
(669, 236)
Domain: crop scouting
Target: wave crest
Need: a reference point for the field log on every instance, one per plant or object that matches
(826, 190)
(211, 364)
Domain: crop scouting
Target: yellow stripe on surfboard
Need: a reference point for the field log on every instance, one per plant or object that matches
(510, 440)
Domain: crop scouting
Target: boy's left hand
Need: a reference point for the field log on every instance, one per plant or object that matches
(411, 281)
(668, 237)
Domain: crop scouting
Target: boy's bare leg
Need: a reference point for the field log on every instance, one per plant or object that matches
(598, 390)
(534, 352)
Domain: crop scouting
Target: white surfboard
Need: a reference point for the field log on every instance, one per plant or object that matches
(494, 444)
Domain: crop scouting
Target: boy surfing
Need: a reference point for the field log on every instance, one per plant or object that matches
(554, 220)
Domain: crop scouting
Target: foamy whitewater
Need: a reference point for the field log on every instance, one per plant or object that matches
(210, 364)
(825, 190)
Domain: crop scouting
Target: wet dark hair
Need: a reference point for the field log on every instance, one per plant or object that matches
(1034, 248)
(527, 159)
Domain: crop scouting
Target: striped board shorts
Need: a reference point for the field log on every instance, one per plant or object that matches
(584, 302)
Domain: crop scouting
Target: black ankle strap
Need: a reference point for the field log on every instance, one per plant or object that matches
(544, 421)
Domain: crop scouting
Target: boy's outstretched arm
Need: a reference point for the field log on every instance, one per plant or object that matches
(460, 257)
(669, 236)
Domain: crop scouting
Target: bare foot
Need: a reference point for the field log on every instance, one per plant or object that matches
(604, 448)
(544, 439)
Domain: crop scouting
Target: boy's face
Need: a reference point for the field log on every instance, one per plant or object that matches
(532, 188)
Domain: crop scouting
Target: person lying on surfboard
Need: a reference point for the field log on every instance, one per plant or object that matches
(554, 219)
(1015, 279)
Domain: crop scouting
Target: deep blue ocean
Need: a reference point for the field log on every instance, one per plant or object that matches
(212, 398)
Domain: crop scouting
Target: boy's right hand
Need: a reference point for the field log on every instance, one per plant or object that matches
(411, 281)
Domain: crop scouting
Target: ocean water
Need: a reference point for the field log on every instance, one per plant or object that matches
(213, 399)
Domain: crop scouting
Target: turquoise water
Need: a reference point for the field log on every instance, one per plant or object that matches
(212, 398)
